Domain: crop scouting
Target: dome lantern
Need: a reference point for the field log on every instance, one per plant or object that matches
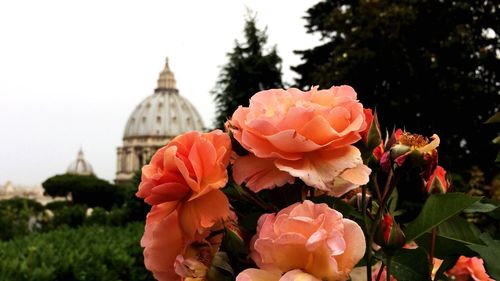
(166, 81)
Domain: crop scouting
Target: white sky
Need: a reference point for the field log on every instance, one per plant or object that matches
(71, 72)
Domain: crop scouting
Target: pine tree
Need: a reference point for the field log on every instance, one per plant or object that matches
(430, 66)
(251, 68)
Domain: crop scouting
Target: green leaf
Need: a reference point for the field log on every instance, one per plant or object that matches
(496, 140)
(444, 247)
(437, 209)
(490, 254)
(480, 207)
(493, 119)
(410, 265)
(458, 229)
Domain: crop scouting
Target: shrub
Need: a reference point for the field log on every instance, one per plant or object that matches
(18, 216)
(72, 216)
(87, 253)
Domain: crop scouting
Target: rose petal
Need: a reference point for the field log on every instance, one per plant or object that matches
(350, 179)
(320, 169)
(163, 241)
(355, 246)
(259, 173)
(298, 275)
(253, 274)
(203, 212)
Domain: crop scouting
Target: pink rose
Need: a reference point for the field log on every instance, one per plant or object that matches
(311, 237)
(467, 268)
(308, 135)
(173, 256)
(186, 175)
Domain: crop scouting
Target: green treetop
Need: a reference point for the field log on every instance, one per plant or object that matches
(251, 68)
(430, 66)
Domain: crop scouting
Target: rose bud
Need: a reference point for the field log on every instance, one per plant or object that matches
(372, 137)
(389, 235)
(437, 182)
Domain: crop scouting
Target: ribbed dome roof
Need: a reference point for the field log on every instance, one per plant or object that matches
(165, 113)
(80, 166)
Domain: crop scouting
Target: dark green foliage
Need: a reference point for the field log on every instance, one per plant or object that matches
(72, 216)
(57, 205)
(425, 65)
(15, 215)
(87, 253)
(136, 208)
(251, 68)
(88, 190)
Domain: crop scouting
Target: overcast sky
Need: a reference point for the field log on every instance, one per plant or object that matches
(71, 72)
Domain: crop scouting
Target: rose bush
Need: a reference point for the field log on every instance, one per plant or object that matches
(316, 145)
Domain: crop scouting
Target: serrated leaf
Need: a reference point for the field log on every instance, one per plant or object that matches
(410, 265)
(490, 254)
(437, 209)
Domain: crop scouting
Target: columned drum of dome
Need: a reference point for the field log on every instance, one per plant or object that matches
(154, 122)
(80, 166)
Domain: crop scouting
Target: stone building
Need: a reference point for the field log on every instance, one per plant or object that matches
(154, 122)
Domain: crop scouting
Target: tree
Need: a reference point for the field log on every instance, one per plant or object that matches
(87, 190)
(430, 66)
(251, 68)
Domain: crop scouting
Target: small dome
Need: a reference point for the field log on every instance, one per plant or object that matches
(80, 166)
(163, 114)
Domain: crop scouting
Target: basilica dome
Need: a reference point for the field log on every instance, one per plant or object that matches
(153, 123)
(165, 114)
(80, 166)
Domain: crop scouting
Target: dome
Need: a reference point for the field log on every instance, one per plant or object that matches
(80, 166)
(163, 114)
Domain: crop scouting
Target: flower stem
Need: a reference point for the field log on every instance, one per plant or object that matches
(381, 269)
(388, 270)
(433, 246)
(369, 239)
